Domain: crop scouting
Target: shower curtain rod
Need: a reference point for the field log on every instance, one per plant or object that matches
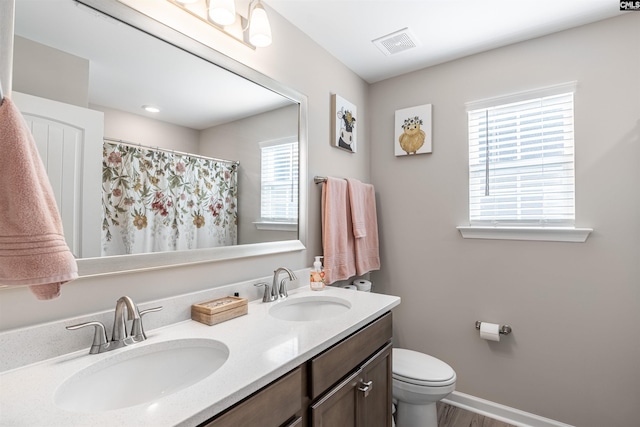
(166, 150)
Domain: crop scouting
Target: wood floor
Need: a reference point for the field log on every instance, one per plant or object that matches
(451, 416)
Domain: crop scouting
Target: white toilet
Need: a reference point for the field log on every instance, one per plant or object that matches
(419, 381)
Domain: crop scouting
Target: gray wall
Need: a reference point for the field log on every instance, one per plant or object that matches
(574, 308)
(43, 71)
(240, 140)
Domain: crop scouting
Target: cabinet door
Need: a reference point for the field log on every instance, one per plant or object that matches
(375, 390)
(362, 400)
(339, 407)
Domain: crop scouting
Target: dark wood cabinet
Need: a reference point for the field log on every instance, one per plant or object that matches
(376, 402)
(273, 406)
(334, 363)
(347, 385)
(363, 399)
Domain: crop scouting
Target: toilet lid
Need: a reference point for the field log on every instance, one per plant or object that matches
(419, 368)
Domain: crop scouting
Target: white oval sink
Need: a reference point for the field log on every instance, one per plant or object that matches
(141, 374)
(310, 308)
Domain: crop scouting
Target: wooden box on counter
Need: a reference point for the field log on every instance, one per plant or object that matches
(219, 310)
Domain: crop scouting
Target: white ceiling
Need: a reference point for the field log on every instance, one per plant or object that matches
(445, 29)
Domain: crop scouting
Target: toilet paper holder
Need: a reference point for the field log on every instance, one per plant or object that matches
(504, 329)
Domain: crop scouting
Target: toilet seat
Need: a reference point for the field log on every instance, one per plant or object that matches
(420, 369)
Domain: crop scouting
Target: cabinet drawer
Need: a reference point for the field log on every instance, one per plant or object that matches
(272, 406)
(336, 362)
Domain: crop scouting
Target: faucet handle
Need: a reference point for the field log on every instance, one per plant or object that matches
(99, 336)
(283, 289)
(150, 310)
(137, 328)
(268, 294)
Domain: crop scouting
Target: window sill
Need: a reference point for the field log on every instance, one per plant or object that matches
(548, 234)
(276, 226)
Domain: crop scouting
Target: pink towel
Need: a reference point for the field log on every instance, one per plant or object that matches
(337, 233)
(358, 209)
(32, 247)
(363, 208)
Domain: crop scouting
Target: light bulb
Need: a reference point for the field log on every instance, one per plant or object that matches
(222, 12)
(259, 28)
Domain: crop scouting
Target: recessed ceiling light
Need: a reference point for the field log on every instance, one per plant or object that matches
(151, 108)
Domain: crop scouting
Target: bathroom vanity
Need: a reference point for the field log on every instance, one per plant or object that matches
(349, 384)
(314, 359)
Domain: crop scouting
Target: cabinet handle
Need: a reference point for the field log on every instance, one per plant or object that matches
(365, 387)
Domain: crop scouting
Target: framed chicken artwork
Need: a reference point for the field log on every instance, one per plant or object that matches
(413, 131)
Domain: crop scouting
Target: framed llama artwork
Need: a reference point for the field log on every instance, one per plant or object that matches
(344, 124)
(413, 130)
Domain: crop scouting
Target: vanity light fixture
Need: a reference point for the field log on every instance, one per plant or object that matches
(151, 108)
(252, 29)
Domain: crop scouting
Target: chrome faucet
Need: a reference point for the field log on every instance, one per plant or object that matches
(120, 334)
(282, 292)
(119, 337)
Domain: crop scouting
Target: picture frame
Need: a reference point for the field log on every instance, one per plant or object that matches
(413, 131)
(344, 124)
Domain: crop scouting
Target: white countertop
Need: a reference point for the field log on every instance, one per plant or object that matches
(261, 349)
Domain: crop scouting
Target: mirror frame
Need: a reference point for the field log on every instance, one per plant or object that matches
(141, 262)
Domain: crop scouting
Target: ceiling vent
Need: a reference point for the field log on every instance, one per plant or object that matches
(396, 42)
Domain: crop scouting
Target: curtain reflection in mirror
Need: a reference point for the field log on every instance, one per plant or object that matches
(157, 201)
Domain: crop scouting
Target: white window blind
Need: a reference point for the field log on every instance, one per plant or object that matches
(279, 181)
(521, 160)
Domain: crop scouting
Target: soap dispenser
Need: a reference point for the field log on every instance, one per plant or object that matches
(317, 276)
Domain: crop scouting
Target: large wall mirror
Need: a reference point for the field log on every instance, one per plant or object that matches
(72, 61)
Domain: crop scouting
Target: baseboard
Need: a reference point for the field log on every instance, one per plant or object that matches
(499, 412)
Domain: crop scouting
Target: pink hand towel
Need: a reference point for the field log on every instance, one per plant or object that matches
(358, 208)
(337, 233)
(363, 206)
(32, 247)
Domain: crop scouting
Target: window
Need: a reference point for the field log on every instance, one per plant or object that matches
(279, 182)
(521, 160)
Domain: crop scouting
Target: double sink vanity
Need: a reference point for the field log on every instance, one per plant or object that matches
(299, 361)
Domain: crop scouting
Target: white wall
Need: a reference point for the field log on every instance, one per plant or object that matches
(574, 308)
(293, 60)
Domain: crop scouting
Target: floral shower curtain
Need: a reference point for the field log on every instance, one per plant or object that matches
(155, 201)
